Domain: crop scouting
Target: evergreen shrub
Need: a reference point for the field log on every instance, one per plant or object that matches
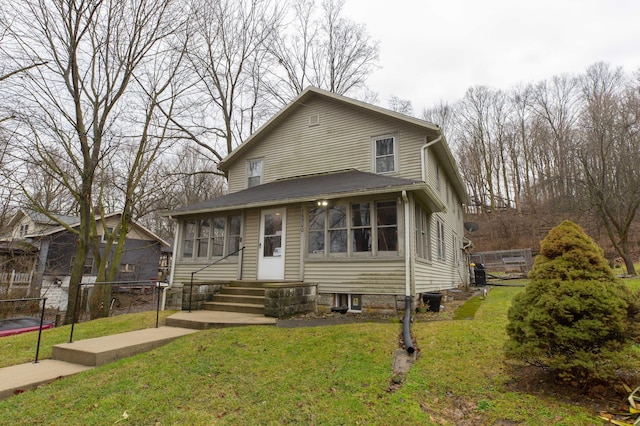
(574, 317)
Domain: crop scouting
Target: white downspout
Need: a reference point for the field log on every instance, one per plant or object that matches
(423, 150)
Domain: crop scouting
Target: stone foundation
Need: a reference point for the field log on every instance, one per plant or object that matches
(202, 292)
(382, 304)
(283, 300)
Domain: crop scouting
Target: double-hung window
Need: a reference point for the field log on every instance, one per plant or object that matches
(316, 230)
(254, 172)
(189, 238)
(423, 234)
(385, 154)
(441, 239)
(338, 229)
(204, 232)
(361, 227)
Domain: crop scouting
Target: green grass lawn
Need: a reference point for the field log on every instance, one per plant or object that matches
(321, 375)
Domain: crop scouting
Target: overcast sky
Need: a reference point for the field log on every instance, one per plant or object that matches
(432, 51)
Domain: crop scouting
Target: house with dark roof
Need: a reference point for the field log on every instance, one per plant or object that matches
(37, 255)
(332, 204)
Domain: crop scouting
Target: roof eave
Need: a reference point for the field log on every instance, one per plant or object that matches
(429, 198)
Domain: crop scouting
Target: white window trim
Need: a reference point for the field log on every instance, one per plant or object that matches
(261, 175)
(441, 239)
(375, 251)
(395, 154)
(226, 241)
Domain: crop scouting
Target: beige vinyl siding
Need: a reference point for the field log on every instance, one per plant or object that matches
(250, 242)
(343, 139)
(223, 271)
(443, 274)
(357, 277)
(292, 243)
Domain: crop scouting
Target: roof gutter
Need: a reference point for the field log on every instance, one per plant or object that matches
(423, 150)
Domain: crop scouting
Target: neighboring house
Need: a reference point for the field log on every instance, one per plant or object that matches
(51, 250)
(361, 204)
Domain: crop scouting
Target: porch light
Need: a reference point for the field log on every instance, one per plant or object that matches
(323, 203)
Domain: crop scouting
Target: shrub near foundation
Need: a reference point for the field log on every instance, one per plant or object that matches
(574, 316)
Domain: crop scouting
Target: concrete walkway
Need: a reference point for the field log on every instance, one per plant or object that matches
(82, 355)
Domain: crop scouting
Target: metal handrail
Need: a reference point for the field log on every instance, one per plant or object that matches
(44, 301)
(155, 284)
(205, 267)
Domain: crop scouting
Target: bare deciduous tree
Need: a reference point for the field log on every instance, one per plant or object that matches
(324, 49)
(610, 153)
(92, 51)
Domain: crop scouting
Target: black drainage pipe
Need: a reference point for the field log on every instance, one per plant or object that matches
(406, 325)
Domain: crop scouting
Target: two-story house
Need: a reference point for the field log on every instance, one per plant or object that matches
(48, 249)
(358, 203)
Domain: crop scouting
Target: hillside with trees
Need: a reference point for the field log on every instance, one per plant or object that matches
(563, 148)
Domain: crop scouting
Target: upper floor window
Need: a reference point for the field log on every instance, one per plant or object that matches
(254, 173)
(107, 233)
(385, 154)
(24, 229)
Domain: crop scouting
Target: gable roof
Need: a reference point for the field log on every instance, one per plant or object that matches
(41, 218)
(299, 102)
(73, 222)
(339, 184)
(441, 150)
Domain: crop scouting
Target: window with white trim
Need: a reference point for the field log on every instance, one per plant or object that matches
(211, 237)
(353, 229)
(128, 267)
(454, 245)
(440, 239)
(204, 233)
(107, 233)
(254, 173)
(189, 238)
(423, 233)
(387, 225)
(385, 154)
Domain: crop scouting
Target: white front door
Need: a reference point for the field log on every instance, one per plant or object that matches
(272, 244)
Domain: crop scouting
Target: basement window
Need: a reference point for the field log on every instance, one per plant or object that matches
(347, 303)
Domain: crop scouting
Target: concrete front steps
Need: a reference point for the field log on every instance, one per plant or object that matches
(239, 296)
(102, 350)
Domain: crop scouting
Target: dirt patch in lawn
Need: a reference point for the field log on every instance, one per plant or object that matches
(595, 397)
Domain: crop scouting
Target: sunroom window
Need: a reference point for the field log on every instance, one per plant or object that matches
(353, 229)
(316, 230)
(338, 229)
(211, 237)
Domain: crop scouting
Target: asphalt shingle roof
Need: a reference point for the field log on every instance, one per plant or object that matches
(303, 188)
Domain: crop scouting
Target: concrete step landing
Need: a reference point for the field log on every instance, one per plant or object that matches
(102, 350)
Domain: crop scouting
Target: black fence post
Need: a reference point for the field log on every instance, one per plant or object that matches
(44, 302)
(158, 306)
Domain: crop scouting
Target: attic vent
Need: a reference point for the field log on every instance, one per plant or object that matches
(314, 120)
